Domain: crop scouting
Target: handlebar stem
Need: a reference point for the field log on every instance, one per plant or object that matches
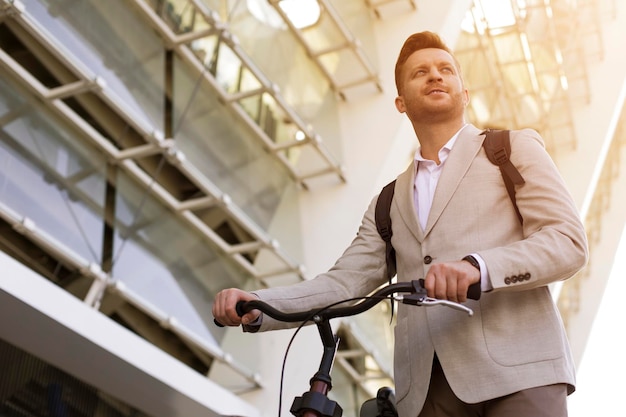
(314, 402)
(326, 332)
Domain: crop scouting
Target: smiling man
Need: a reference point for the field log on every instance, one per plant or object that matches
(455, 226)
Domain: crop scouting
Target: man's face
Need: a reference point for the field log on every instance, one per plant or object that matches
(431, 87)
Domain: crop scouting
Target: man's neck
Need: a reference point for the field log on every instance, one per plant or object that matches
(432, 137)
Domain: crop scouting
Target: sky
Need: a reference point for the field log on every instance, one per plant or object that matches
(602, 372)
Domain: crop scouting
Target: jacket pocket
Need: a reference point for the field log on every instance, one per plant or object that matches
(523, 327)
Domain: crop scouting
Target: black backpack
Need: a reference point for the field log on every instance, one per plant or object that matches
(498, 148)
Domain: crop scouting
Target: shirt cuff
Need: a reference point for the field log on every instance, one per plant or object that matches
(485, 281)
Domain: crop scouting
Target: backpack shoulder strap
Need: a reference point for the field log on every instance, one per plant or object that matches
(497, 145)
(383, 225)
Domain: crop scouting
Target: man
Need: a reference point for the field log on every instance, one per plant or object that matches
(512, 357)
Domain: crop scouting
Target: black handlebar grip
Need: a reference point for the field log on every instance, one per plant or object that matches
(474, 291)
(238, 308)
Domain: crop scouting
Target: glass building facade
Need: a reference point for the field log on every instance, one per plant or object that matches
(147, 147)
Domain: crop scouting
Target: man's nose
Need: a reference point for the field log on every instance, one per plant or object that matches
(434, 74)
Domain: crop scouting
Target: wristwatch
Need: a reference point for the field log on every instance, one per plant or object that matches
(473, 261)
(474, 291)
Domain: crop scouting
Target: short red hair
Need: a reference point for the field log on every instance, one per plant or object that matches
(415, 42)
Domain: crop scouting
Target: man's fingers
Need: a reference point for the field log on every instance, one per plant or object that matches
(451, 288)
(225, 307)
(448, 281)
(250, 317)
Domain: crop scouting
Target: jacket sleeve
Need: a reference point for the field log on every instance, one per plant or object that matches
(359, 271)
(554, 243)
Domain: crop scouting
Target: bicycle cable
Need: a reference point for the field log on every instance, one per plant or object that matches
(301, 325)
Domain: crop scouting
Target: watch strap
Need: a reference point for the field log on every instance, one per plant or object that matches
(474, 291)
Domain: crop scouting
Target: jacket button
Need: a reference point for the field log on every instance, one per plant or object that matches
(428, 259)
(507, 281)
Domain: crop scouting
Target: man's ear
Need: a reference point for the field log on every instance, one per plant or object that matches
(399, 101)
(466, 96)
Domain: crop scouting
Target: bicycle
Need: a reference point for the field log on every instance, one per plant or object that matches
(315, 402)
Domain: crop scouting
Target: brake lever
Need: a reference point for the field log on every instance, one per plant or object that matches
(422, 300)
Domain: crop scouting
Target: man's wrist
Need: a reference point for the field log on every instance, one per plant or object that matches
(475, 290)
(473, 261)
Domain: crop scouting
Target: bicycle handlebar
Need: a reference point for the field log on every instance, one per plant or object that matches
(416, 296)
(315, 402)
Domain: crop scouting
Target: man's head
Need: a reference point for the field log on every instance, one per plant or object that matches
(415, 42)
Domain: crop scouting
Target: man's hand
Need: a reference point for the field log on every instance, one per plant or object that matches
(451, 280)
(224, 307)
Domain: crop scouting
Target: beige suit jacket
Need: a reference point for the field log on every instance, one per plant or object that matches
(516, 339)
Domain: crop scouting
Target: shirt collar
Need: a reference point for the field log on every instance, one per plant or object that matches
(444, 151)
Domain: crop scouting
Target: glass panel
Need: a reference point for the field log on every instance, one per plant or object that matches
(549, 85)
(475, 69)
(498, 13)
(544, 57)
(49, 177)
(508, 47)
(52, 176)
(518, 78)
(283, 60)
(228, 70)
(226, 151)
(163, 260)
(179, 15)
(356, 15)
(537, 24)
(114, 44)
(481, 107)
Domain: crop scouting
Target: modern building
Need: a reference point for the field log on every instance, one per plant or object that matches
(154, 152)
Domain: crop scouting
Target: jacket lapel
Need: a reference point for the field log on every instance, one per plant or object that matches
(405, 203)
(465, 149)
